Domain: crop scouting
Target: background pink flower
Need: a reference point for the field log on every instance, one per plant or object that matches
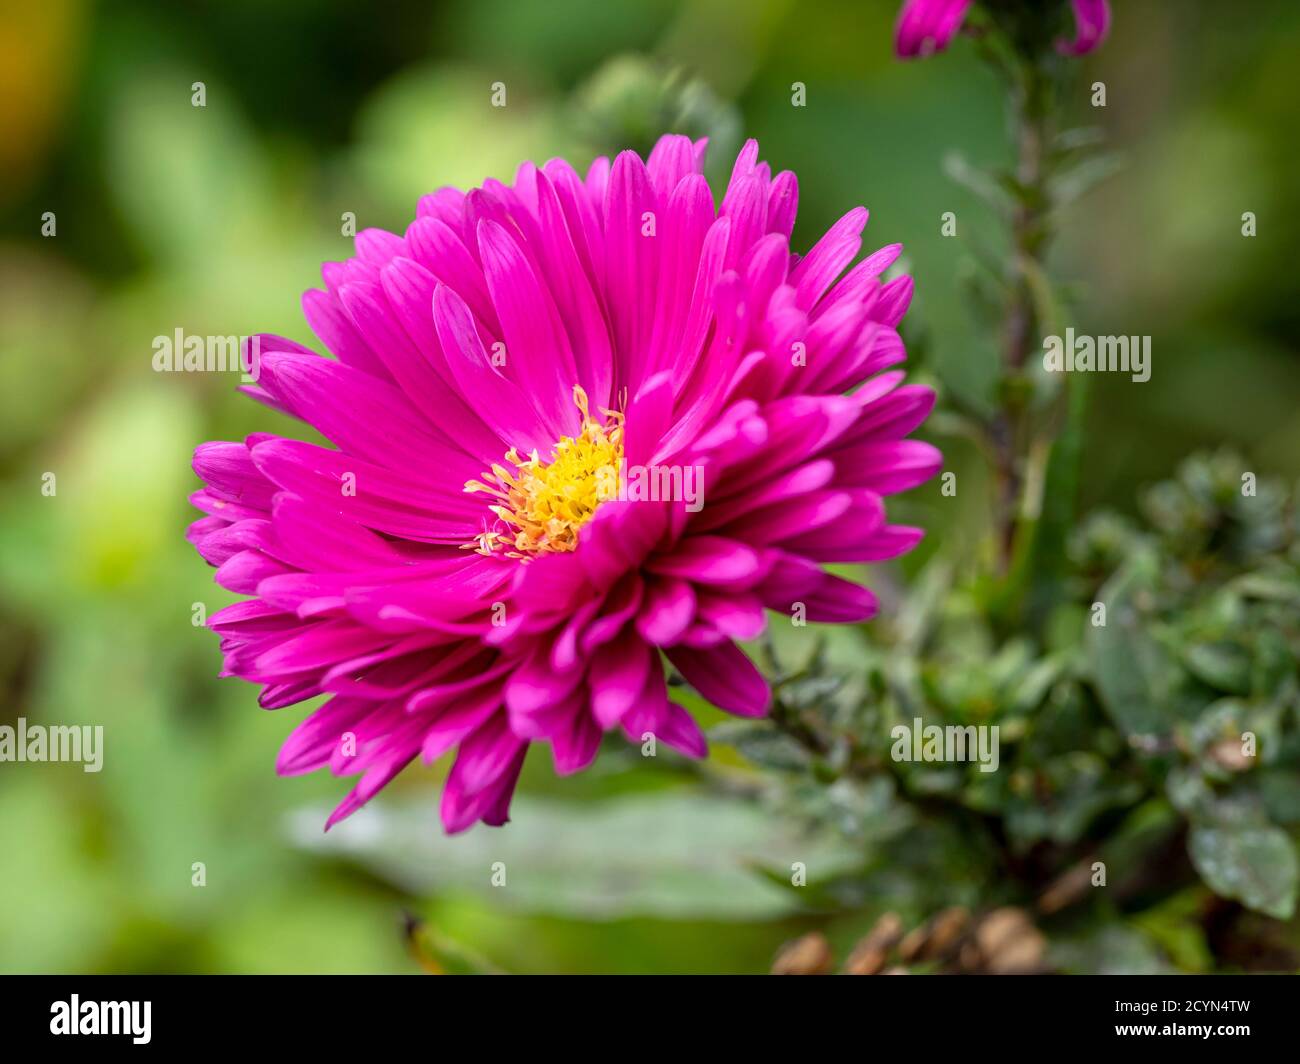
(926, 26)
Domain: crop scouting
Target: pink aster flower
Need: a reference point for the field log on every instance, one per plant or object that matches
(926, 26)
(465, 568)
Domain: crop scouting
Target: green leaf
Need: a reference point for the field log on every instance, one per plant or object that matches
(1080, 138)
(1074, 182)
(982, 183)
(1132, 671)
(762, 744)
(1224, 666)
(1274, 664)
(1254, 863)
(1112, 949)
(1278, 584)
(1188, 791)
(1175, 924)
(671, 854)
(1077, 789)
(1032, 688)
(1279, 790)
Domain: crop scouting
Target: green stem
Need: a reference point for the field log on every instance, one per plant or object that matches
(1030, 235)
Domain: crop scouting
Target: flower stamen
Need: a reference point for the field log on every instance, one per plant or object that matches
(541, 506)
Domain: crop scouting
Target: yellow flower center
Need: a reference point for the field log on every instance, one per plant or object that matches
(545, 504)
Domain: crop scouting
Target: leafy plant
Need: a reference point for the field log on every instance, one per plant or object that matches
(1150, 729)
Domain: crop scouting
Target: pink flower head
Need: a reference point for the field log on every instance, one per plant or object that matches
(480, 560)
(926, 26)
(1091, 20)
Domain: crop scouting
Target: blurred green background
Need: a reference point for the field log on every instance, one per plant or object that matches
(215, 219)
